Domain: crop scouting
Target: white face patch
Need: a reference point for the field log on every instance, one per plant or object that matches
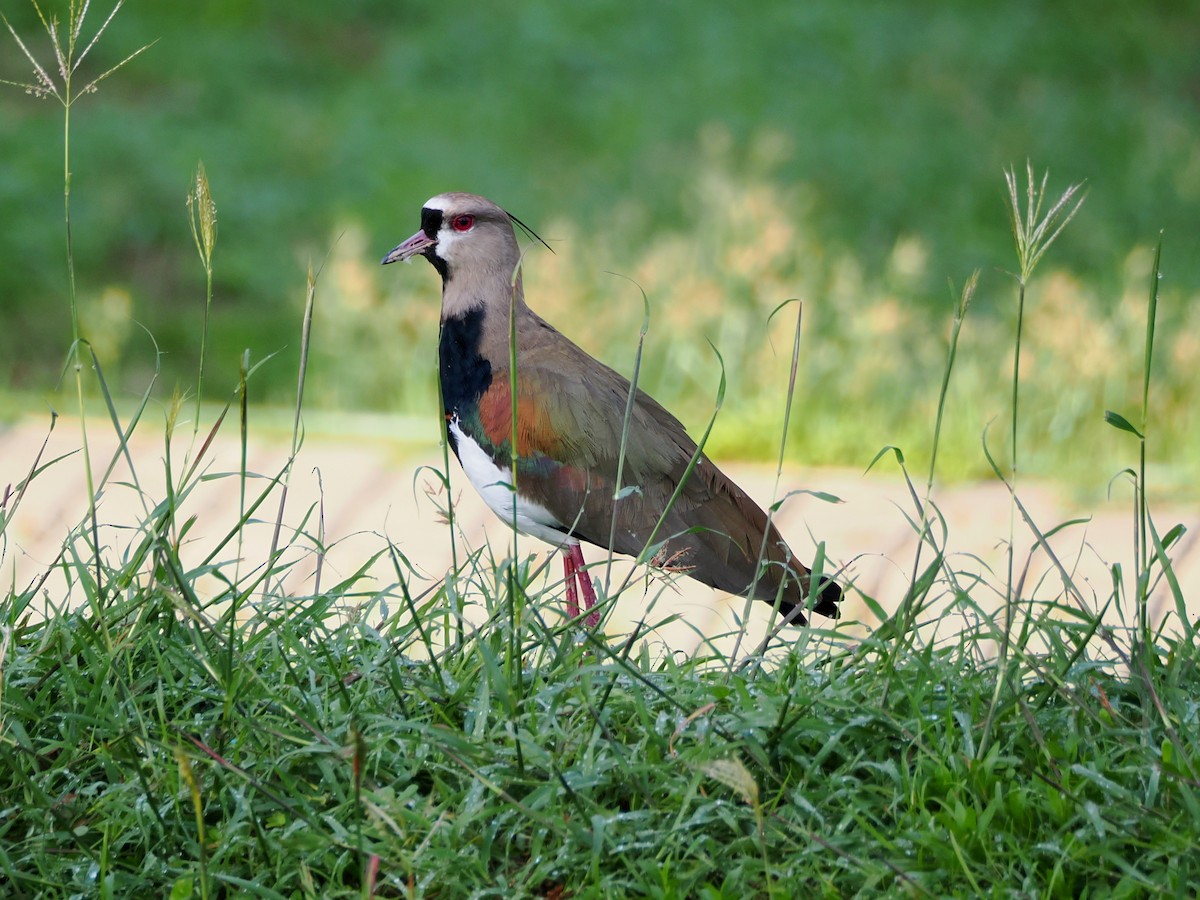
(447, 241)
(495, 487)
(447, 238)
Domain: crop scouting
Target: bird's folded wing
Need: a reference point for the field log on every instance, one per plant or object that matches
(569, 438)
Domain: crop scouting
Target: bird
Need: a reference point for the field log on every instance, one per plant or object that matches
(569, 418)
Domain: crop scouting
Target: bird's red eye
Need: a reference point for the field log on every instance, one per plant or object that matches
(462, 223)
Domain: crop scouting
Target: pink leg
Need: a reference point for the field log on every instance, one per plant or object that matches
(569, 575)
(585, 585)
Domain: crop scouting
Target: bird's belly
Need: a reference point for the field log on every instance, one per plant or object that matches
(494, 485)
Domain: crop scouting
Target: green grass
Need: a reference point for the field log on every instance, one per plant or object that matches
(319, 753)
(156, 740)
(160, 736)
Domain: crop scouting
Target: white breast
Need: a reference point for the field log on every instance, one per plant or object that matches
(495, 487)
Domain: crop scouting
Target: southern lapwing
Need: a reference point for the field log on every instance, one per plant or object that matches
(570, 415)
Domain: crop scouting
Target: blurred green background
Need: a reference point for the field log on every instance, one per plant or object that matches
(726, 158)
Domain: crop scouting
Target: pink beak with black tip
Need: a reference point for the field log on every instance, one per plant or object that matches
(414, 246)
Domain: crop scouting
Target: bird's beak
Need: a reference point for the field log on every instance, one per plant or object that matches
(415, 245)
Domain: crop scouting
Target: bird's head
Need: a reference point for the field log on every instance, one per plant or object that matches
(465, 237)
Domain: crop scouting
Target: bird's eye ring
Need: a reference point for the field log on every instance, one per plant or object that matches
(462, 223)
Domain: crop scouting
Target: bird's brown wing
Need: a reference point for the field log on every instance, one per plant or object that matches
(571, 410)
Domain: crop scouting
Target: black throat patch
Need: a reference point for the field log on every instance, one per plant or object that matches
(464, 373)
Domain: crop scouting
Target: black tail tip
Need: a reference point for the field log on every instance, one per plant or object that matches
(825, 603)
(827, 600)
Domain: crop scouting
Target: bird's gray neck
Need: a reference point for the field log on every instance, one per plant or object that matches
(496, 291)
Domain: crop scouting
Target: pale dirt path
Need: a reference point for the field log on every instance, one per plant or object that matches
(369, 492)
